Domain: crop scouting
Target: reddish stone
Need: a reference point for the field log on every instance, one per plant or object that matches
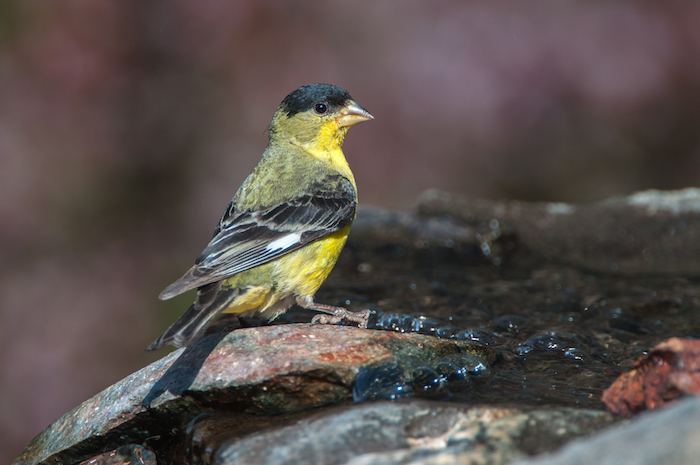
(668, 371)
(273, 369)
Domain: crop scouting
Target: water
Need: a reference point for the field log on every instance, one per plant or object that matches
(562, 334)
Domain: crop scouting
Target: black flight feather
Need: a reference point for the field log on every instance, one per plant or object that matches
(244, 238)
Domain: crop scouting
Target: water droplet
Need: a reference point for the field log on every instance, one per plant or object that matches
(384, 381)
(477, 335)
(452, 371)
(394, 322)
(425, 325)
(485, 249)
(446, 332)
(427, 382)
(364, 267)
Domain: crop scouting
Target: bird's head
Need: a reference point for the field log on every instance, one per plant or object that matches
(317, 115)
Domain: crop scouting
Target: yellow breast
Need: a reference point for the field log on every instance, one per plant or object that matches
(303, 271)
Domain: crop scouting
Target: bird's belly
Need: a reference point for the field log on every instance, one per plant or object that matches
(303, 271)
(270, 288)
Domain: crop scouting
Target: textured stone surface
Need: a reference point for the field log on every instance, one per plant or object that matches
(648, 232)
(270, 370)
(670, 370)
(668, 436)
(511, 274)
(129, 454)
(412, 433)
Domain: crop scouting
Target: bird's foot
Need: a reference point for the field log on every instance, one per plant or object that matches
(339, 314)
(334, 315)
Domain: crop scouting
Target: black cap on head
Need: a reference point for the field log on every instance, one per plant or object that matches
(306, 96)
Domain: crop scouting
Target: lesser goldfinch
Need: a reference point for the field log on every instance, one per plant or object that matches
(283, 231)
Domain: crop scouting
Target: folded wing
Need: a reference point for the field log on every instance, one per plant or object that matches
(247, 238)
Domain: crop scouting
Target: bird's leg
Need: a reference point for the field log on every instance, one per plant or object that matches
(334, 314)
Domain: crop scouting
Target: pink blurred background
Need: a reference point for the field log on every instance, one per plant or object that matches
(125, 128)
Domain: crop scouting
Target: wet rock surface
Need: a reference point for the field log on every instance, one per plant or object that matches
(559, 300)
(666, 436)
(129, 454)
(414, 432)
(648, 232)
(670, 370)
(268, 370)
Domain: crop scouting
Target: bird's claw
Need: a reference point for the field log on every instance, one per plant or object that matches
(326, 320)
(361, 318)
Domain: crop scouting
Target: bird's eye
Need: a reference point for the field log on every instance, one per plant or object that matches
(320, 108)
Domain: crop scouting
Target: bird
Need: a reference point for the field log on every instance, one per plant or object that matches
(285, 227)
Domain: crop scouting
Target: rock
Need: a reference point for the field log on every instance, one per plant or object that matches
(511, 275)
(268, 370)
(648, 232)
(412, 433)
(669, 370)
(129, 454)
(668, 436)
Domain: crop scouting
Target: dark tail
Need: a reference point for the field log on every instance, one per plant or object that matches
(211, 301)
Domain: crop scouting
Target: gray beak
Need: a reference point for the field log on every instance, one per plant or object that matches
(352, 114)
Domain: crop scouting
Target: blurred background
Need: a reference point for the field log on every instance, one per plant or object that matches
(126, 127)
